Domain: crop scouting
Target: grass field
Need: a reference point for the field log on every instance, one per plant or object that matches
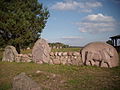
(64, 77)
(66, 50)
(61, 77)
(55, 50)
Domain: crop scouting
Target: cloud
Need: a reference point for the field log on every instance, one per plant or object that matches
(72, 37)
(97, 23)
(65, 5)
(72, 40)
(75, 5)
(99, 17)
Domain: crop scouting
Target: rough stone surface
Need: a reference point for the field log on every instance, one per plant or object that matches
(66, 58)
(56, 61)
(23, 58)
(9, 54)
(41, 51)
(100, 54)
(23, 82)
(51, 54)
(64, 53)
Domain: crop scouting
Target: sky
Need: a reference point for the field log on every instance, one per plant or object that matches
(79, 22)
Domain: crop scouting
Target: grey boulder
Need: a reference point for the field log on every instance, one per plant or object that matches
(100, 54)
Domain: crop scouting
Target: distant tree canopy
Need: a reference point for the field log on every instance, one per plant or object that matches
(21, 22)
(58, 44)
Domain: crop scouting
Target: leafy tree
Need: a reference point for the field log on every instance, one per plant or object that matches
(21, 22)
(58, 44)
(109, 42)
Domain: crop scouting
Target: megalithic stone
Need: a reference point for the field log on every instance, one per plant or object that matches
(101, 52)
(23, 82)
(41, 51)
(9, 54)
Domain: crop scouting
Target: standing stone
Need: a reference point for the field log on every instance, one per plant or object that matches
(9, 54)
(100, 54)
(23, 82)
(41, 51)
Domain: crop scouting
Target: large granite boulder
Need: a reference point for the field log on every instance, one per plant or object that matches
(9, 54)
(41, 51)
(23, 82)
(100, 54)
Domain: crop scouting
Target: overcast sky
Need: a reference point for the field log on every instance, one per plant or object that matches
(78, 22)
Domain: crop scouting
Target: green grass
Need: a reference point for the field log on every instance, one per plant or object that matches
(26, 51)
(72, 77)
(66, 49)
(55, 50)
